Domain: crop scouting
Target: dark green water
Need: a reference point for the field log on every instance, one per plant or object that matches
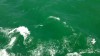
(82, 19)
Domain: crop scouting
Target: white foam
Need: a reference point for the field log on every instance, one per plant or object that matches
(8, 32)
(73, 54)
(52, 52)
(3, 52)
(57, 18)
(93, 41)
(40, 25)
(12, 31)
(23, 31)
(38, 51)
(64, 23)
(5, 31)
(12, 41)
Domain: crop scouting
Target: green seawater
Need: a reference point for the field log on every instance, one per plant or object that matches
(57, 27)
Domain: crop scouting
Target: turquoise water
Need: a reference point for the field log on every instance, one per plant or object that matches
(63, 27)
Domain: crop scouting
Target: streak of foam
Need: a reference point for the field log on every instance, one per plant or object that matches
(11, 43)
(64, 23)
(57, 18)
(90, 50)
(87, 51)
(12, 40)
(40, 25)
(73, 54)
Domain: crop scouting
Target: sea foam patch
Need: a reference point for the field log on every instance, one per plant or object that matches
(3, 52)
(93, 41)
(8, 32)
(51, 47)
(52, 52)
(22, 30)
